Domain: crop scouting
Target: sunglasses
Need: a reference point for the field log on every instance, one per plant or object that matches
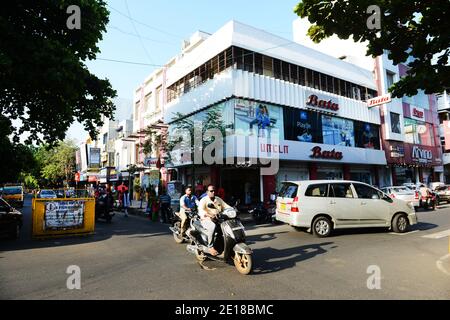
(211, 190)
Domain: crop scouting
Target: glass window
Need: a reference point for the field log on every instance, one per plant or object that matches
(389, 78)
(367, 135)
(258, 63)
(277, 68)
(395, 122)
(323, 82)
(366, 192)
(338, 131)
(301, 75)
(302, 125)
(285, 71)
(294, 73)
(289, 190)
(316, 79)
(267, 66)
(341, 190)
(317, 190)
(248, 60)
(309, 78)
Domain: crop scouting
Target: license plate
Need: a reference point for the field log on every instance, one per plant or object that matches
(282, 206)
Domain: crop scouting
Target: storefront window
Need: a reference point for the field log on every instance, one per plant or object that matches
(418, 132)
(337, 131)
(361, 176)
(395, 122)
(404, 175)
(367, 135)
(302, 125)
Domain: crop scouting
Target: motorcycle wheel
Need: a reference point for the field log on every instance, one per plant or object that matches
(243, 263)
(177, 237)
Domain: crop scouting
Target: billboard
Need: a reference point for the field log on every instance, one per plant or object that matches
(63, 215)
(338, 131)
(258, 119)
(94, 157)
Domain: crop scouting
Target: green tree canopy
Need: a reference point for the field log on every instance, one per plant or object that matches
(420, 29)
(44, 81)
(58, 163)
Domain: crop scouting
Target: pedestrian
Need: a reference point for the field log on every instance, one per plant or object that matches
(126, 202)
(164, 200)
(122, 188)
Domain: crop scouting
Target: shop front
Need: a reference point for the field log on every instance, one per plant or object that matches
(410, 163)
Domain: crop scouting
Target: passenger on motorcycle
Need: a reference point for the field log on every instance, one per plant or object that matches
(208, 209)
(187, 202)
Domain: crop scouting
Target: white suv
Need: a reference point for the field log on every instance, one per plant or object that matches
(324, 205)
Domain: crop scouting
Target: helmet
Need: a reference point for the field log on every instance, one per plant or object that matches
(230, 213)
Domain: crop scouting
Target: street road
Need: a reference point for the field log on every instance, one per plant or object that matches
(134, 258)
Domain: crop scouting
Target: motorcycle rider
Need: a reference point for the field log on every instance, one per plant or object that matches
(209, 207)
(187, 202)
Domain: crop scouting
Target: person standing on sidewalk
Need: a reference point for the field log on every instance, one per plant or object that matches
(126, 202)
(164, 200)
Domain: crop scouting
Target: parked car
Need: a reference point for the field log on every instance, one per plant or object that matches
(403, 193)
(10, 220)
(47, 194)
(13, 194)
(443, 193)
(324, 205)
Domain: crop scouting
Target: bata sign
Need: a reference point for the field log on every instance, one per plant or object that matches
(314, 101)
(421, 154)
(379, 100)
(318, 153)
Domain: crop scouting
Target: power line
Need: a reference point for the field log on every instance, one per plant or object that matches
(144, 24)
(146, 38)
(137, 33)
(131, 62)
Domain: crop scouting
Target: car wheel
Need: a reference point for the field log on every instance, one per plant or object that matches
(400, 223)
(322, 227)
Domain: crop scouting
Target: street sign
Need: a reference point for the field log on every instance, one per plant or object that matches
(379, 100)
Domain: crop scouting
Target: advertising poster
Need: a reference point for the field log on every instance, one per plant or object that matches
(367, 135)
(94, 158)
(258, 119)
(60, 215)
(302, 125)
(337, 131)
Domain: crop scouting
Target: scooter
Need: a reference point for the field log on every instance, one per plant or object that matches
(176, 225)
(103, 209)
(429, 201)
(229, 241)
(261, 214)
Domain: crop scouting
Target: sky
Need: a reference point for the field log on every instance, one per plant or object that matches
(151, 32)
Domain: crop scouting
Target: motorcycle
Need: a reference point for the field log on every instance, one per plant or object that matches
(103, 208)
(229, 241)
(261, 214)
(429, 201)
(176, 225)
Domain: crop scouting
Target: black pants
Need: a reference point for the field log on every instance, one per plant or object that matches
(165, 212)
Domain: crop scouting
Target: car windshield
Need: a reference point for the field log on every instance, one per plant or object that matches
(9, 190)
(401, 189)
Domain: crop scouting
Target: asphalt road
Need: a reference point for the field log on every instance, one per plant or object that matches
(134, 258)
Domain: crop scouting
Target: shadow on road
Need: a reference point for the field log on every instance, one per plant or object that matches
(268, 260)
(133, 227)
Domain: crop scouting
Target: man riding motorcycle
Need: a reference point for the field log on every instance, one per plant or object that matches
(208, 208)
(187, 202)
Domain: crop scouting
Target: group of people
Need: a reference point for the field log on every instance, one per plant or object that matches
(120, 193)
(208, 206)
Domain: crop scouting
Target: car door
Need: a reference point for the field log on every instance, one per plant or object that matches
(343, 205)
(373, 209)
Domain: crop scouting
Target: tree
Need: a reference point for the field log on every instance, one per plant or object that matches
(420, 29)
(44, 81)
(60, 163)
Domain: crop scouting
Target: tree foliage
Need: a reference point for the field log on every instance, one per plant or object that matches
(58, 163)
(416, 29)
(44, 81)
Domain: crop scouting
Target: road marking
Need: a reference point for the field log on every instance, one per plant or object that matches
(403, 234)
(438, 235)
(443, 264)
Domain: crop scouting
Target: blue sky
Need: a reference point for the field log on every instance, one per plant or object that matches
(167, 23)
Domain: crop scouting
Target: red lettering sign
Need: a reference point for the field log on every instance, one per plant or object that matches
(417, 113)
(333, 154)
(314, 101)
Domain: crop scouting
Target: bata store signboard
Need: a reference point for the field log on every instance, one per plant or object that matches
(252, 147)
(321, 102)
(417, 113)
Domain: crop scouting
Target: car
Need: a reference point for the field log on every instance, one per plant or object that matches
(324, 205)
(10, 220)
(443, 193)
(404, 193)
(47, 194)
(13, 194)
